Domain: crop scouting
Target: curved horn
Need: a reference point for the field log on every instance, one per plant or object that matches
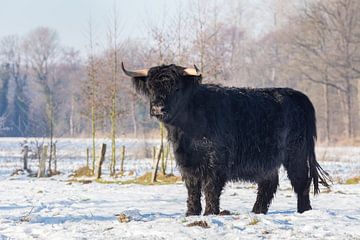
(135, 73)
(192, 71)
(196, 68)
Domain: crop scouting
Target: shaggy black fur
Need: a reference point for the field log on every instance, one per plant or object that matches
(225, 134)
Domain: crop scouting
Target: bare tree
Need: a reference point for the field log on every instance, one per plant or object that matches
(90, 89)
(113, 61)
(328, 40)
(41, 47)
(17, 101)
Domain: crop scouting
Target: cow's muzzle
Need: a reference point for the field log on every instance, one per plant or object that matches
(157, 111)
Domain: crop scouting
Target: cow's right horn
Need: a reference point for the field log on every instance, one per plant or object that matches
(192, 71)
(135, 73)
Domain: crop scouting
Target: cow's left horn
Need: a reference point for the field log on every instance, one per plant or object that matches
(135, 73)
(192, 71)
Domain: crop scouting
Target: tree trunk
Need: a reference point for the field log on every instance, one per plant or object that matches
(349, 109)
(54, 158)
(93, 136)
(87, 157)
(113, 137)
(133, 115)
(327, 111)
(122, 158)
(343, 114)
(42, 161)
(71, 118)
(358, 102)
(51, 121)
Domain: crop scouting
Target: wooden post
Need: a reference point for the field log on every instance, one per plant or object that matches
(100, 161)
(42, 161)
(154, 174)
(122, 158)
(25, 156)
(87, 157)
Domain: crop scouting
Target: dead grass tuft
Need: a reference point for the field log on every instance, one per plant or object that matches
(202, 224)
(327, 190)
(82, 172)
(161, 178)
(123, 218)
(353, 180)
(254, 221)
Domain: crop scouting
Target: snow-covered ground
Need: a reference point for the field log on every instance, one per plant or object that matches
(52, 208)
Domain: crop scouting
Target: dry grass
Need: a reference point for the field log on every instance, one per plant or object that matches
(82, 172)
(202, 224)
(146, 180)
(27, 217)
(160, 179)
(143, 180)
(353, 180)
(122, 174)
(82, 181)
(123, 218)
(343, 142)
(17, 172)
(254, 221)
(327, 190)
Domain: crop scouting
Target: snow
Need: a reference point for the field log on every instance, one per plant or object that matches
(53, 208)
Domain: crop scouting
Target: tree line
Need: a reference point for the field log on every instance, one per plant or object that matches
(314, 46)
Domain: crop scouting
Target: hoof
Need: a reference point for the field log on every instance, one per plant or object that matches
(302, 210)
(187, 214)
(224, 213)
(259, 210)
(211, 213)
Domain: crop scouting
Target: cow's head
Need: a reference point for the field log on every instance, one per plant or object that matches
(168, 88)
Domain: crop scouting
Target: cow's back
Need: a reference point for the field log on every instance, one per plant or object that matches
(248, 128)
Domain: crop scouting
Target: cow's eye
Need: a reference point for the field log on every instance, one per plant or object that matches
(177, 89)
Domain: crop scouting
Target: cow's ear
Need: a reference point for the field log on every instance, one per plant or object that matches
(192, 80)
(199, 79)
(140, 85)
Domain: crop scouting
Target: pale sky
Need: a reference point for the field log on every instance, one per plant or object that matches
(70, 17)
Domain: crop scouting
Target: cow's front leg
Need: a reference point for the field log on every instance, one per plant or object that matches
(193, 186)
(212, 190)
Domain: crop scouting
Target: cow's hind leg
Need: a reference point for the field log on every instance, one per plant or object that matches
(266, 191)
(298, 173)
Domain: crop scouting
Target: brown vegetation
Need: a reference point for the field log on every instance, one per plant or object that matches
(353, 180)
(309, 45)
(160, 179)
(200, 223)
(82, 172)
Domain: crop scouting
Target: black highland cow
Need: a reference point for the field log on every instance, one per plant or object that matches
(222, 134)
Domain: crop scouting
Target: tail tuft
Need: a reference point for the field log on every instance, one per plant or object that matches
(318, 175)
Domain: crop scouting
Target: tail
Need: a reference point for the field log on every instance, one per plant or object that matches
(317, 173)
